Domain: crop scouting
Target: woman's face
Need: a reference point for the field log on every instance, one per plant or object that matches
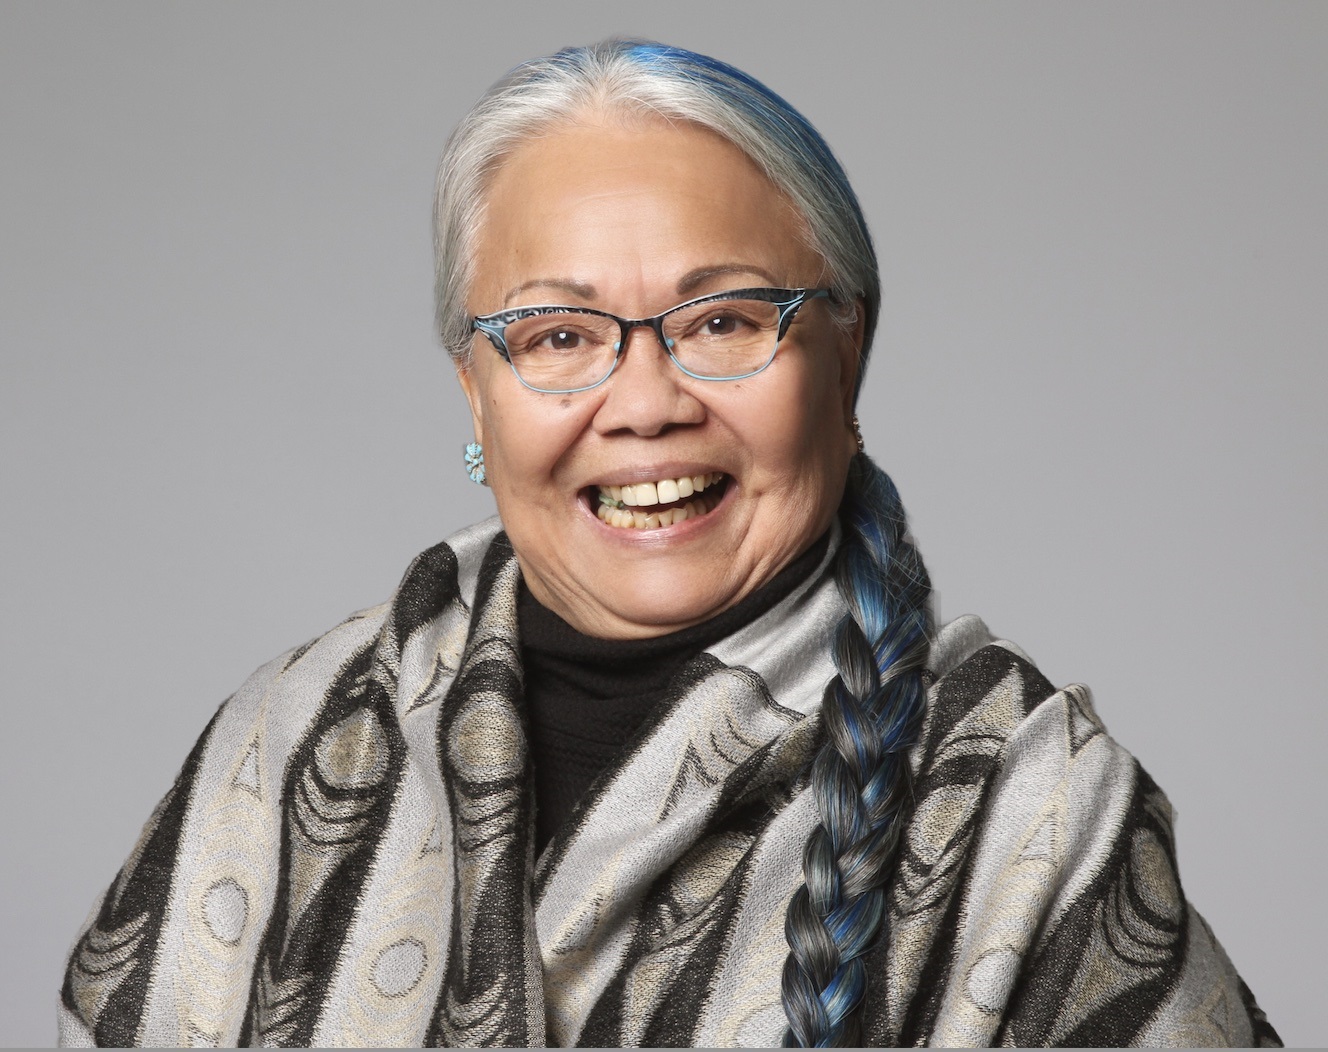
(634, 218)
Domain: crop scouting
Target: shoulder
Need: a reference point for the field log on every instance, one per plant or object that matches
(1034, 763)
(1037, 899)
(1011, 769)
(436, 591)
(303, 759)
(986, 695)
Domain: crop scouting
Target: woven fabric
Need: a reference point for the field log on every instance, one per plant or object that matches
(347, 856)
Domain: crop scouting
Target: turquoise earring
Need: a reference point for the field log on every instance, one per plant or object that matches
(475, 463)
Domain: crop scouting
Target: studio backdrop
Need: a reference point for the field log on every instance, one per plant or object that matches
(1098, 381)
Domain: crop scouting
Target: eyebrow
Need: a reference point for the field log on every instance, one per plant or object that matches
(689, 282)
(574, 288)
(694, 279)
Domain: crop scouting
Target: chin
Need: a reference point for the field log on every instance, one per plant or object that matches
(657, 600)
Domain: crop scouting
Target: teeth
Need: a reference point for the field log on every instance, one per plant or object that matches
(635, 518)
(619, 505)
(665, 491)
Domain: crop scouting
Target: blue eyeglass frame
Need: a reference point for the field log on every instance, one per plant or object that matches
(789, 302)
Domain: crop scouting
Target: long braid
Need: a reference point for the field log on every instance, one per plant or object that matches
(861, 776)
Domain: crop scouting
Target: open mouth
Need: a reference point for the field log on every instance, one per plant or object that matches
(652, 505)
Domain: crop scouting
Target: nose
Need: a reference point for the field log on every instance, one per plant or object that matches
(647, 394)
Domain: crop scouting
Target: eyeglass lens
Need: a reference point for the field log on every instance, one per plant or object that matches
(564, 350)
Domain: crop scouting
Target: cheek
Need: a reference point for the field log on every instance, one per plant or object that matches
(528, 438)
(794, 432)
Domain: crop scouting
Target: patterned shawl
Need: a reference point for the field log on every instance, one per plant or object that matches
(347, 856)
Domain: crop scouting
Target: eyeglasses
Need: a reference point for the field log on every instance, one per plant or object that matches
(723, 336)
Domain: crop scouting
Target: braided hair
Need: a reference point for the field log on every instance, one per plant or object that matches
(861, 776)
(872, 708)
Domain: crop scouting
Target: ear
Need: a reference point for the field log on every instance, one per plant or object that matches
(850, 360)
(471, 388)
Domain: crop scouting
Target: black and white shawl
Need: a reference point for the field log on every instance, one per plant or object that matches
(347, 856)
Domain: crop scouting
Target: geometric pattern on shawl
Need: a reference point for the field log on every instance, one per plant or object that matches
(347, 856)
(110, 967)
(1037, 899)
(338, 790)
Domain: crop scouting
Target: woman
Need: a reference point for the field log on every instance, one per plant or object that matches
(670, 753)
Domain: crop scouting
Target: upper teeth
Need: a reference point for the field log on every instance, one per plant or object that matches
(665, 491)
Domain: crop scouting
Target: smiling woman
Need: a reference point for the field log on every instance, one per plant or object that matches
(670, 752)
(632, 213)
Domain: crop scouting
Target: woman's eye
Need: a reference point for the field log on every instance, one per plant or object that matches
(722, 325)
(563, 340)
(555, 341)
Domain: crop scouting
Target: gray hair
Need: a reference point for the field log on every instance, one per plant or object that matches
(637, 77)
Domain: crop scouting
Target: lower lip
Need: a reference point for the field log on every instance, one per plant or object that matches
(663, 534)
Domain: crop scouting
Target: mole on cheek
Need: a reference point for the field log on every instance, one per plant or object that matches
(566, 403)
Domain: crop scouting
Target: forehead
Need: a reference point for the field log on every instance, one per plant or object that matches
(625, 205)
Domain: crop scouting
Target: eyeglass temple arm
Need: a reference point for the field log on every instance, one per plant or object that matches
(789, 310)
(494, 335)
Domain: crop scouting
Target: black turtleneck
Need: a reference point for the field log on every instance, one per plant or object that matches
(588, 697)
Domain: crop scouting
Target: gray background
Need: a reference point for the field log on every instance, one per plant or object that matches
(1098, 381)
